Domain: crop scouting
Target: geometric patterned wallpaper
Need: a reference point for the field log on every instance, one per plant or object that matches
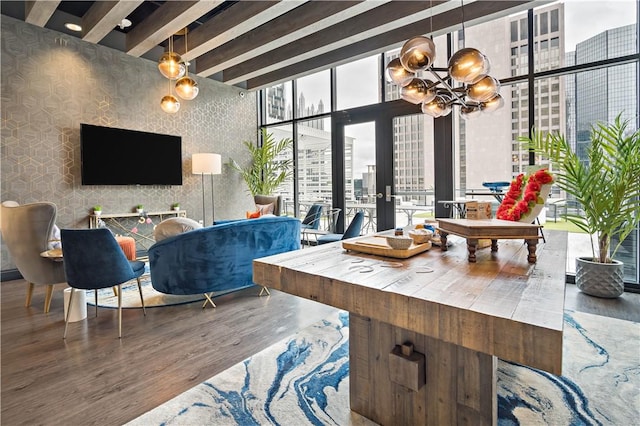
(52, 82)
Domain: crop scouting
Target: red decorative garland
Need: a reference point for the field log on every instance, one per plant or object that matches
(514, 205)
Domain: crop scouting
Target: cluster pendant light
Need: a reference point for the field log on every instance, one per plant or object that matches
(173, 67)
(478, 91)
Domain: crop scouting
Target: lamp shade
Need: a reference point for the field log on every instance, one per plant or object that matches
(206, 164)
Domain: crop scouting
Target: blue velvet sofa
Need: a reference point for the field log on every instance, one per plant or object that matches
(219, 258)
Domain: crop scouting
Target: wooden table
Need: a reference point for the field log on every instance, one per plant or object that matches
(490, 229)
(460, 318)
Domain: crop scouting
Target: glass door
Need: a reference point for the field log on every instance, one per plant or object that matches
(360, 174)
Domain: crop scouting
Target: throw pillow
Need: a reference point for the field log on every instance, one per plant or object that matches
(174, 226)
(266, 208)
(253, 215)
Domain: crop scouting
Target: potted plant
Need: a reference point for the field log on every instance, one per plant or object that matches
(139, 208)
(97, 210)
(608, 191)
(266, 172)
(175, 206)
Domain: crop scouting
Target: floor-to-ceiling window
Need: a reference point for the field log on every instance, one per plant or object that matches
(563, 67)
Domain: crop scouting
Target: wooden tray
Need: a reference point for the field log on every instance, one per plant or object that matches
(378, 245)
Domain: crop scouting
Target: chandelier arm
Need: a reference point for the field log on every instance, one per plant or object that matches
(450, 89)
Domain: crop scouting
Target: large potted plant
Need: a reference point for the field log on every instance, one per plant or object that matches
(266, 171)
(607, 186)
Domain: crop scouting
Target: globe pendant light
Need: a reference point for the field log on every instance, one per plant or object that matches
(484, 89)
(169, 103)
(186, 87)
(417, 91)
(170, 64)
(417, 54)
(492, 104)
(468, 65)
(396, 73)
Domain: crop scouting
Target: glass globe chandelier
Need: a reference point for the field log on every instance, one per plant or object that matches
(477, 90)
(173, 67)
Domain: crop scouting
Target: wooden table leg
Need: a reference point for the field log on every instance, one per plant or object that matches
(443, 241)
(472, 245)
(531, 246)
(460, 383)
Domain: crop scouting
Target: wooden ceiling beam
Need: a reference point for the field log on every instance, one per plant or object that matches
(233, 22)
(39, 12)
(442, 23)
(304, 20)
(168, 19)
(381, 19)
(104, 16)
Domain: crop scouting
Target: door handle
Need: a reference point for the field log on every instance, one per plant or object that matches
(387, 195)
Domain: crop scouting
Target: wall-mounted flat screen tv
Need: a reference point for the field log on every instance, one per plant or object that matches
(112, 156)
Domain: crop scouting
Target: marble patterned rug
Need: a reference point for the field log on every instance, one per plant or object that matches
(304, 380)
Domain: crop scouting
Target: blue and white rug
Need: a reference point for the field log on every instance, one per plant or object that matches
(304, 380)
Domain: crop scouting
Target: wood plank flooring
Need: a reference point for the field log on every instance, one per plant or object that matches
(95, 378)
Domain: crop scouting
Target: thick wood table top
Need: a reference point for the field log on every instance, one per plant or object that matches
(501, 306)
(489, 228)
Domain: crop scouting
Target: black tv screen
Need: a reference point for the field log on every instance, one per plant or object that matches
(113, 156)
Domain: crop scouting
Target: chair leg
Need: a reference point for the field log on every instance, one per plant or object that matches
(47, 298)
(66, 320)
(264, 290)
(27, 302)
(119, 311)
(208, 300)
(95, 295)
(144, 311)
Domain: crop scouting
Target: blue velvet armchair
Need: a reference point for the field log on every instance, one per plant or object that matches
(219, 258)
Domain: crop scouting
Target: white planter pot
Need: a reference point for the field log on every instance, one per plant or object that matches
(600, 279)
(97, 213)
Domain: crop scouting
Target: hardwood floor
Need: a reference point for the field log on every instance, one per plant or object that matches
(95, 378)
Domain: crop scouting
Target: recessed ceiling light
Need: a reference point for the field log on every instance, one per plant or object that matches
(73, 27)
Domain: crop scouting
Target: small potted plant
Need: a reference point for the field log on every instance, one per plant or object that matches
(97, 210)
(139, 208)
(175, 206)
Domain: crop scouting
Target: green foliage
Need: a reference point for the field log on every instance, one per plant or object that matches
(266, 173)
(607, 185)
(97, 208)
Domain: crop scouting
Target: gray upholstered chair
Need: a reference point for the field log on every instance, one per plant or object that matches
(276, 200)
(26, 231)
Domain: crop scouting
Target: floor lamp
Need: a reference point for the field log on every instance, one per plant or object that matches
(206, 164)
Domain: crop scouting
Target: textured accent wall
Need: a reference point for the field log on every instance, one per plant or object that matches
(52, 82)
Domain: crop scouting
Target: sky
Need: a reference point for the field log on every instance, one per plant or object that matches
(583, 19)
